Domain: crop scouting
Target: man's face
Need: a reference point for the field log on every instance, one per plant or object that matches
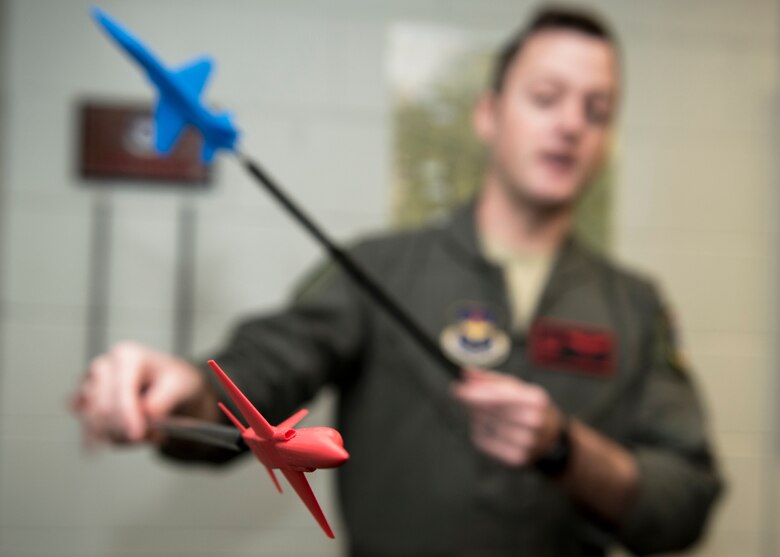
(548, 129)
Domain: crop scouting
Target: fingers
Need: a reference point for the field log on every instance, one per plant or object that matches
(98, 414)
(510, 445)
(510, 420)
(129, 367)
(507, 440)
(161, 399)
(108, 401)
(130, 386)
(494, 428)
(492, 391)
(164, 395)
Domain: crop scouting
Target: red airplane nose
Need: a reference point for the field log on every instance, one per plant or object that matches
(334, 436)
(339, 455)
(336, 449)
(314, 447)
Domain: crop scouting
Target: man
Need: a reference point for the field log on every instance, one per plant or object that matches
(590, 434)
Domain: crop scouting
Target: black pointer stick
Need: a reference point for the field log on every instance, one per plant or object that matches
(227, 437)
(353, 269)
(199, 431)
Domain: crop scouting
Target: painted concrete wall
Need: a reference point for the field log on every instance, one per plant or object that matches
(308, 81)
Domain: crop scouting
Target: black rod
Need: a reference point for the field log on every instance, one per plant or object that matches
(353, 269)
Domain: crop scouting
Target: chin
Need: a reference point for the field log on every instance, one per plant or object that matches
(543, 203)
(543, 193)
(552, 197)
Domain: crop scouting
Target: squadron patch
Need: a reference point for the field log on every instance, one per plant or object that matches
(475, 339)
(572, 347)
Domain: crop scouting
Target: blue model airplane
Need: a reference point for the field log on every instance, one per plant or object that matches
(179, 102)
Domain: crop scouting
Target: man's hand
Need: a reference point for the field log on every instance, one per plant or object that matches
(511, 420)
(516, 422)
(131, 385)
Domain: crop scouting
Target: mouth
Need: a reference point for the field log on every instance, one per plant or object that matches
(558, 161)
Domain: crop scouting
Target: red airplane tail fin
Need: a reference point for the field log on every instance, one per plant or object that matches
(256, 420)
(231, 417)
(293, 420)
(273, 477)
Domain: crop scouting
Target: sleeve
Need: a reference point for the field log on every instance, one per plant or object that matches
(281, 360)
(679, 480)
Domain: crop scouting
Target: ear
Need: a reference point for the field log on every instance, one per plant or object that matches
(483, 117)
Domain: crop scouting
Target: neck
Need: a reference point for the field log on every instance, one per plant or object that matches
(517, 224)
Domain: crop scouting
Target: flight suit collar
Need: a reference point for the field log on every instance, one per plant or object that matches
(570, 268)
(462, 233)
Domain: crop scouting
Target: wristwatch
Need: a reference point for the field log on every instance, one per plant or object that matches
(554, 463)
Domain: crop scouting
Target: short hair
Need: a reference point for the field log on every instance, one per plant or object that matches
(547, 19)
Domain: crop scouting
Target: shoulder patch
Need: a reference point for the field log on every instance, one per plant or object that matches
(668, 349)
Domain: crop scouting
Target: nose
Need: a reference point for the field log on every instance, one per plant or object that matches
(572, 120)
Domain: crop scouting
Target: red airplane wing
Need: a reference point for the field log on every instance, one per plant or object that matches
(256, 421)
(303, 489)
(242, 429)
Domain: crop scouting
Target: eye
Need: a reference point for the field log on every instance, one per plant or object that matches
(598, 112)
(544, 98)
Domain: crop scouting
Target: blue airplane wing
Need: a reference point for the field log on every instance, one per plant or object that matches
(168, 123)
(208, 151)
(194, 75)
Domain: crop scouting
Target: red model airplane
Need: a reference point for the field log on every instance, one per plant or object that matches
(291, 451)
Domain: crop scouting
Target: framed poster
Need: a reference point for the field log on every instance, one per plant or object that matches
(117, 142)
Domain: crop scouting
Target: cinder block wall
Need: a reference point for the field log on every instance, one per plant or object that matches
(308, 82)
(696, 203)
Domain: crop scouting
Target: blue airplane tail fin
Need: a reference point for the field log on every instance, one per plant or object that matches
(225, 137)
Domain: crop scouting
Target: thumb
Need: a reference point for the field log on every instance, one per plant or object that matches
(162, 396)
(160, 400)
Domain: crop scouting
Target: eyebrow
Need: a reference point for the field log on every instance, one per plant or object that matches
(544, 81)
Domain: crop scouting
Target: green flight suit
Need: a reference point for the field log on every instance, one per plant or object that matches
(414, 485)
